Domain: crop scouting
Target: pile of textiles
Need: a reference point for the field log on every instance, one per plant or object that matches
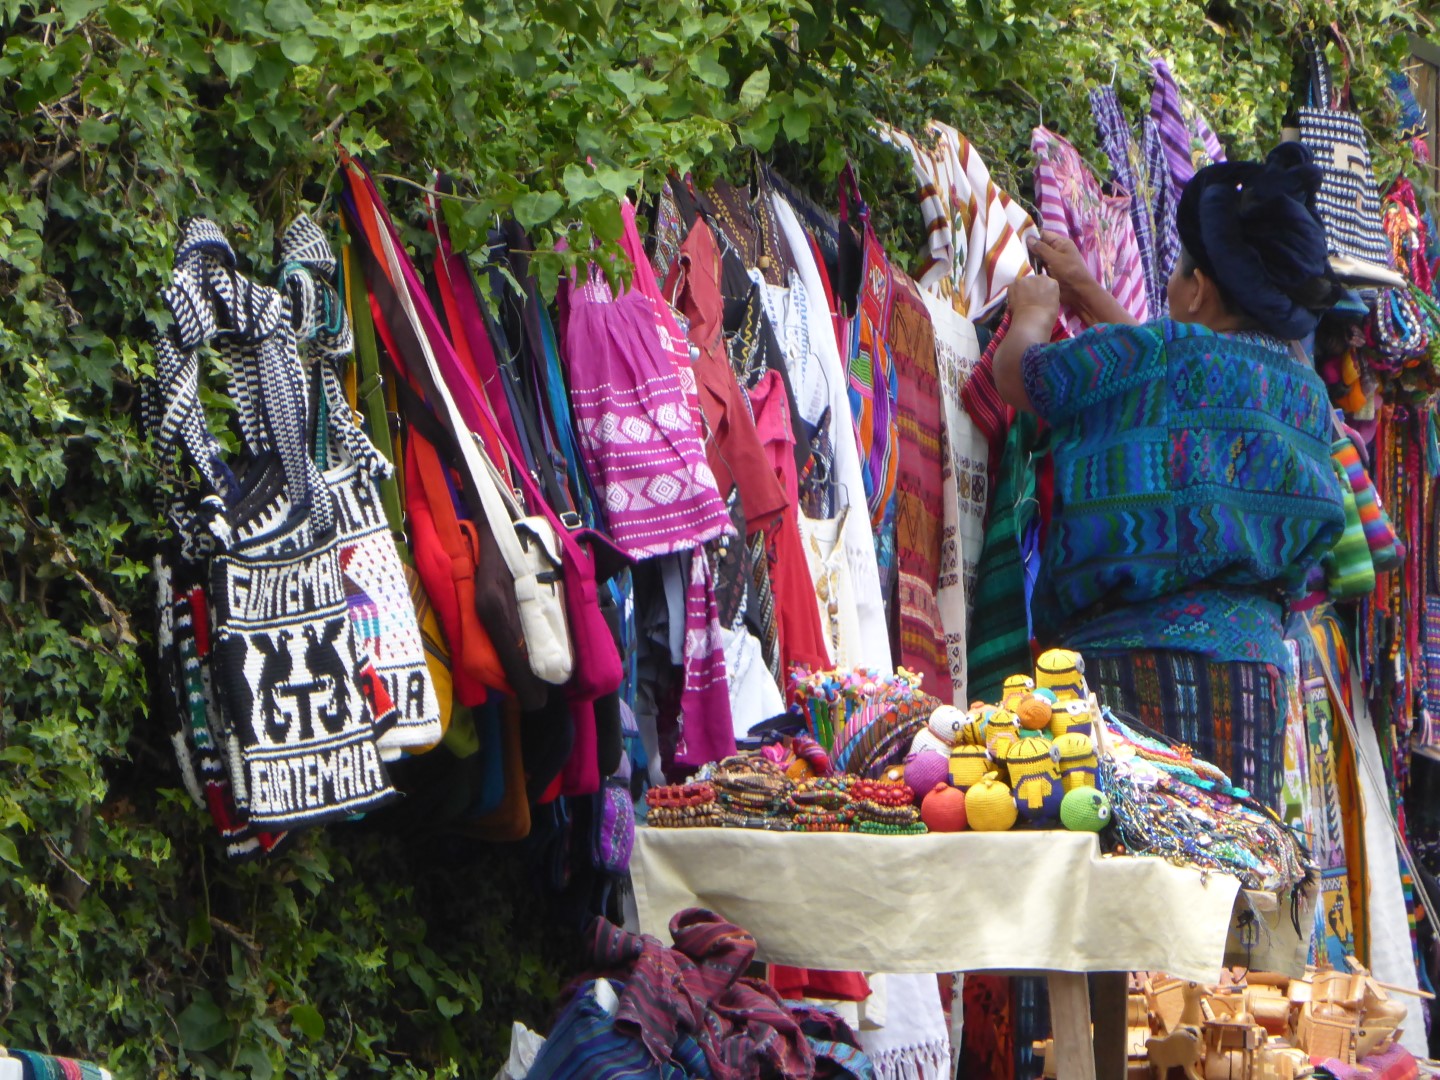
(29, 1065)
(689, 1011)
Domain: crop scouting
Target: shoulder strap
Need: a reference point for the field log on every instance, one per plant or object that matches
(372, 389)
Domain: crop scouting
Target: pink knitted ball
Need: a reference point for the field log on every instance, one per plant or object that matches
(925, 769)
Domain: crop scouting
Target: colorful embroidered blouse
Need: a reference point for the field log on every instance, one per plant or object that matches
(1193, 488)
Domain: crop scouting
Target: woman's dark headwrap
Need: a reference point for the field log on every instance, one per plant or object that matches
(1253, 229)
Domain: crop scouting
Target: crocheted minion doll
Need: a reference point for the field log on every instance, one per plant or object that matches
(1063, 673)
(989, 806)
(1035, 776)
(1016, 687)
(1000, 731)
(1076, 757)
(968, 765)
(1072, 716)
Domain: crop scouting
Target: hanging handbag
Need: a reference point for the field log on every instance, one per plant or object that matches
(376, 591)
(457, 551)
(541, 603)
(597, 670)
(301, 695)
(1349, 201)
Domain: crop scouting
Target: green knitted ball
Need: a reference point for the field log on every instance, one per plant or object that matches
(1085, 809)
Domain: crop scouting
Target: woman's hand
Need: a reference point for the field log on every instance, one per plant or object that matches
(1063, 262)
(1079, 290)
(1035, 298)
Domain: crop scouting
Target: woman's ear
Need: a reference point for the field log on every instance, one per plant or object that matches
(1204, 294)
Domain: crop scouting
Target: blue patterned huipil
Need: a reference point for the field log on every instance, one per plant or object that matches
(1193, 488)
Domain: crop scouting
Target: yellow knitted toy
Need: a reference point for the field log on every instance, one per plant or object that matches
(1000, 731)
(1016, 687)
(1035, 777)
(1063, 673)
(989, 807)
(1072, 716)
(968, 766)
(1077, 760)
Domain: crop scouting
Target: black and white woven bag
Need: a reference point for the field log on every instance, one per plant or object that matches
(376, 590)
(296, 687)
(1349, 200)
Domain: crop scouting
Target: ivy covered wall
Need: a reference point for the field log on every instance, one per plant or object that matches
(123, 935)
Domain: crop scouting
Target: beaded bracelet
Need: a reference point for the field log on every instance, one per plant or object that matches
(676, 817)
(895, 815)
(844, 816)
(675, 795)
(884, 792)
(891, 830)
(842, 826)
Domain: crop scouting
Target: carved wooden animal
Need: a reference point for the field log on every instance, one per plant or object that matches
(1180, 1049)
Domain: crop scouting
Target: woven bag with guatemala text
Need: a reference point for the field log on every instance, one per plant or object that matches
(376, 590)
(295, 684)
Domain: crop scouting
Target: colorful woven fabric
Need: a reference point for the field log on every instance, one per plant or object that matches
(1072, 204)
(1186, 462)
(638, 436)
(698, 988)
(977, 232)
(1396, 1063)
(919, 489)
(1230, 714)
(1189, 143)
(1130, 176)
(999, 641)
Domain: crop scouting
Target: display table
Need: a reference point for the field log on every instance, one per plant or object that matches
(1046, 902)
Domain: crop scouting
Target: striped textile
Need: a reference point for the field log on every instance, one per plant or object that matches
(1072, 204)
(586, 1041)
(1189, 143)
(999, 641)
(1230, 714)
(977, 233)
(919, 490)
(1130, 177)
(1166, 204)
(698, 987)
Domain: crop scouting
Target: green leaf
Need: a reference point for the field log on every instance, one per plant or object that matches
(580, 184)
(796, 122)
(202, 1025)
(308, 1019)
(754, 89)
(75, 11)
(199, 931)
(234, 58)
(298, 48)
(708, 69)
(256, 1063)
(604, 218)
(985, 34)
(97, 132)
(19, 755)
(447, 1007)
(537, 207)
(8, 852)
(617, 181)
(285, 15)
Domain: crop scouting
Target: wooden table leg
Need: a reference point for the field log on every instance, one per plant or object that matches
(1070, 1021)
(1108, 992)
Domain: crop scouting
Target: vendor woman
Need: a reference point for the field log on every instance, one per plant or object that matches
(1193, 483)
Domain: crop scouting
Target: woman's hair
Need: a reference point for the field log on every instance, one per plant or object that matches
(1253, 229)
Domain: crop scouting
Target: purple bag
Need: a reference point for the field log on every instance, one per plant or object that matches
(614, 836)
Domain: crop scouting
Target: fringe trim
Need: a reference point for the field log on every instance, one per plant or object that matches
(924, 1061)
